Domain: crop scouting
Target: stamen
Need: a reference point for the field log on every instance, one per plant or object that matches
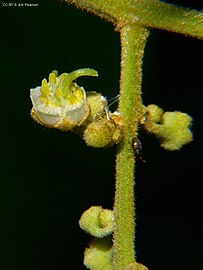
(52, 78)
(44, 88)
(58, 94)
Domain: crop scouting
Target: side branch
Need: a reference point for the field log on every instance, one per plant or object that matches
(149, 13)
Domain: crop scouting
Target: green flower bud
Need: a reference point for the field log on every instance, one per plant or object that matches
(97, 221)
(154, 113)
(102, 133)
(173, 131)
(98, 105)
(99, 255)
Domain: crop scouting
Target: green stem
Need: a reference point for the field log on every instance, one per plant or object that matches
(133, 40)
(150, 13)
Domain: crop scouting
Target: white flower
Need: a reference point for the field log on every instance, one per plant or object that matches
(61, 103)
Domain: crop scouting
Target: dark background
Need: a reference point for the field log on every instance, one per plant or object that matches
(48, 178)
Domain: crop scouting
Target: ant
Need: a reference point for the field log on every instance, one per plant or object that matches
(137, 145)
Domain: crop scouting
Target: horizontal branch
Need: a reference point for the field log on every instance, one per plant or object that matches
(150, 13)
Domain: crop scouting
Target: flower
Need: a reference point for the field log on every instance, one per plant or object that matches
(60, 103)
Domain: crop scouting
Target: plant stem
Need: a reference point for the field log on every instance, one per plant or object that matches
(150, 13)
(133, 40)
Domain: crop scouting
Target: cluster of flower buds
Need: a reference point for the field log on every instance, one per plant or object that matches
(60, 103)
(171, 128)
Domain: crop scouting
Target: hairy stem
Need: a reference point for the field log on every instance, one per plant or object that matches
(150, 13)
(133, 39)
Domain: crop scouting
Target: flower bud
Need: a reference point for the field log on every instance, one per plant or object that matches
(99, 254)
(172, 129)
(154, 113)
(102, 133)
(97, 221)
(98, 105)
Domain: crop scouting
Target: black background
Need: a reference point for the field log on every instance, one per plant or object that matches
(48, 178)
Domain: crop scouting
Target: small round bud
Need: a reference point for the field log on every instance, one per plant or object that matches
(99, 254)
(98, 105)
(97, 221)
(106, 218)
(99, 133)
(154, 113)
(175, 131)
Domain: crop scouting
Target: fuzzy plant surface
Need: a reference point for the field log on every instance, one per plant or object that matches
(60, 103)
